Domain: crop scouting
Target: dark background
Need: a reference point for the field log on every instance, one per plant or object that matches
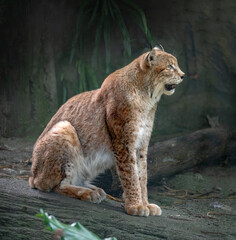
(37, 76)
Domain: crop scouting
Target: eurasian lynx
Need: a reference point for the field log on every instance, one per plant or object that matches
(111, 125)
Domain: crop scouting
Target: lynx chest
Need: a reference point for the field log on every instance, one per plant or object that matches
(143, 132)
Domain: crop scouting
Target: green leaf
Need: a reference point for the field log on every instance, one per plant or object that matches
(140, 19)
(123, 28)
(95, 22)
(111, 11)
(82, 75)
(64, 93)
(107, 35)
(98, 36)
(94, 14)
(82, 14)
(92, 77)
(140, 12)
(75, 231)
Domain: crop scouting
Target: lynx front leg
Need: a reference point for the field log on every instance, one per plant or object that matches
(128, 172)
(142, 165)
(142, 159)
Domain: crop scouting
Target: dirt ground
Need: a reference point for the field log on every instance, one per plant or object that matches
(197, 204)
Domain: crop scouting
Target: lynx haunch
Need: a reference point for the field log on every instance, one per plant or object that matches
(112, 125)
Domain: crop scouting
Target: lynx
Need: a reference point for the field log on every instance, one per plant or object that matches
(109, 126)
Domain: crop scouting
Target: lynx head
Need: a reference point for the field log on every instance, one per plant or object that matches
(164, 71)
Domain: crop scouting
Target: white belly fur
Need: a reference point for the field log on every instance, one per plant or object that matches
(88, 168)
(141, 134)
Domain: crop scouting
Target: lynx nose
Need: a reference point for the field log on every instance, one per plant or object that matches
(182, 77)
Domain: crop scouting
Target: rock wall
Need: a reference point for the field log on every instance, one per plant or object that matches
(35, 44)
(202, 36)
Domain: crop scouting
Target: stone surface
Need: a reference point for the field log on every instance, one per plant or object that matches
(181, 219)
(198, 204)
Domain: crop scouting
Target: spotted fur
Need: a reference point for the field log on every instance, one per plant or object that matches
(111, 125)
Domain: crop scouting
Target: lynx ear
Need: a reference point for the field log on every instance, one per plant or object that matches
(160, 48)
(151, 57)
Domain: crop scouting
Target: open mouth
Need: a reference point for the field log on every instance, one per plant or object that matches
(170, 87)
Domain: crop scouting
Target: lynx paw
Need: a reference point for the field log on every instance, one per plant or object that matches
(154, 210)
(142, 210)
(139, 210)
(95, 195)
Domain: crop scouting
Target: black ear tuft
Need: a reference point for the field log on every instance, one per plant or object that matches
(160, 47)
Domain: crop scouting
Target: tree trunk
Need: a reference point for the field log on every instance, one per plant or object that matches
(181, 153)
(175, 155)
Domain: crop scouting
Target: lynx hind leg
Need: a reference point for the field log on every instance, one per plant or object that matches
(58, 164)
(86, 191)
(95, 194)
(51, 153)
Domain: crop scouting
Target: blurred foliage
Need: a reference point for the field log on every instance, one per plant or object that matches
(101, 36)
(75, 231)
(98, 21)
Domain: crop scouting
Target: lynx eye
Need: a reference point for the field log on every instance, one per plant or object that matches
(171, 67)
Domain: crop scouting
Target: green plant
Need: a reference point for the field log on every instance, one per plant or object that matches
(96, 23)
(75, 231)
